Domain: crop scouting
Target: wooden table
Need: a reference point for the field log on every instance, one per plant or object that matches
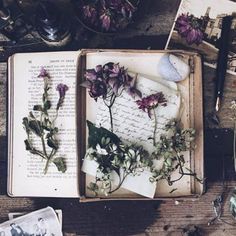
(134, 217)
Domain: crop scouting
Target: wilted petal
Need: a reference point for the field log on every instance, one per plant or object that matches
(86, 84)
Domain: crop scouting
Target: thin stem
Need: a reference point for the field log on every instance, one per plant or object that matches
(47, 165)
(111, 119)
(120, 183)
(155, 127)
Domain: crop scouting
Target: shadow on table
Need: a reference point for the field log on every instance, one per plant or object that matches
(104, 218)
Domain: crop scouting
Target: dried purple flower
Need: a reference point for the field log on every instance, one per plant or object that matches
(90, 13)
(43, 73)
(61, 88)
(108, 15)
(189, 27)
(105, 18)
(152, 101)
(97, 89)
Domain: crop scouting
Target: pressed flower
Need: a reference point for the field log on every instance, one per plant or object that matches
(105, 18)
(43, 73)
(148, 104)
(108, 82)
(62, 88)
(90, 12)
(97, 89)
(189, 28)
(151, 102)
(108, 15)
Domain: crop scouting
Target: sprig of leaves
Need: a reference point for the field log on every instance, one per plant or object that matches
(170, 150)
(39, 124)
(113, 158)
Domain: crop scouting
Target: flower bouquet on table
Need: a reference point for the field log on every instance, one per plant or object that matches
(114, 155)
(106, 16)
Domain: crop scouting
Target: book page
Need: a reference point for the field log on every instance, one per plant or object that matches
(27, 176)
(133, 125)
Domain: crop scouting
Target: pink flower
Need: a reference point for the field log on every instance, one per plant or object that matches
(152, 101)
(189, 27)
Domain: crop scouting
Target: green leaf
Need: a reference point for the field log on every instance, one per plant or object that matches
(27, 145)
(47, 105)
(52, 143)
(35, 127)
(37, 108)
(60, 164)
(97, 134)
(26, 124)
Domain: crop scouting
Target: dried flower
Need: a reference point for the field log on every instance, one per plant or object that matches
(108, 82)
(147, 104)
(108, 15)
(112, 156)
(189, 28)
(90, 12)
(105, 18)
(42, 125)
(43, 73)
(61, 88)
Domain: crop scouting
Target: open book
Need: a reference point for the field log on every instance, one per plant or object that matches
(26, 177)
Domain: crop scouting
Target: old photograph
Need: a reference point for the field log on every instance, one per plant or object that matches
(43, 222)
(198, 26)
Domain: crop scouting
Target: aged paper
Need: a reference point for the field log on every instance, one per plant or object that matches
(27, 177)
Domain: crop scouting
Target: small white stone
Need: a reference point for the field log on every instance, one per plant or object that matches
(172, 68)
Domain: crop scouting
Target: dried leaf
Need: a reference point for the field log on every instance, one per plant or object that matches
(60, 164)
(96, 135)
(37, 108)
(52, 143)
(35, 127)
(27, 145)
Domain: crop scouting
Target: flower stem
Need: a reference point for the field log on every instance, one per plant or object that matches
(111, 119)
(155, 127)
(47, 165)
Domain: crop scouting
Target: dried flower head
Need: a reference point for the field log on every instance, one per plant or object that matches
(43, 73)
(108, 15)
(62, 88)
(151, 102)
(189, 27)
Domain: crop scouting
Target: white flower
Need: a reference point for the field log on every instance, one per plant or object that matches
(100, 150)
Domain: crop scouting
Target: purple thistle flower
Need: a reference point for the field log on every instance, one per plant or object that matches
(150, 102)
(43, 73)
(189, 28)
